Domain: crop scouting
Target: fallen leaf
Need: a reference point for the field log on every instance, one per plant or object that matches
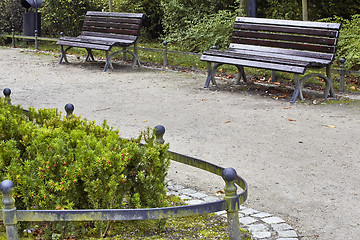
(331, 126)
(292, 120)
(227, 121)
(276, 83)
(145, 120)
(353, 88)
(287, 107)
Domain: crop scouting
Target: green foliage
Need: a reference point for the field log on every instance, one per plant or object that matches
(69, 163)
(197, 28)
(10, 16)
(66, 16)
(349, 42)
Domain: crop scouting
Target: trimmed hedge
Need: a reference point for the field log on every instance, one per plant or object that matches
(70, 163)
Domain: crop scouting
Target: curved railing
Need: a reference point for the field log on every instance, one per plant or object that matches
(230, 203)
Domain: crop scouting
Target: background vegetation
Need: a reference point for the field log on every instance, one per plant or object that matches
(190, 25)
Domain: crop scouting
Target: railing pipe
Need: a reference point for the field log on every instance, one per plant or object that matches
(9, 211)
(13, 37)
(165, 43)
(342, 74)
(36, 40)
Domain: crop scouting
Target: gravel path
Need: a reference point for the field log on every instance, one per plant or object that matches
(301, 161)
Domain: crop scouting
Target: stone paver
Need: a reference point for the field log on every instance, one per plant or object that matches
(262, 225)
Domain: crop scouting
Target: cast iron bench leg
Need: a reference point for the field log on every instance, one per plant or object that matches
(63, 54)
(210, 74)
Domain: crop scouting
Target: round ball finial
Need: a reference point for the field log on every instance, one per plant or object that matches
(69, 108)
(342, 60)
(229, 174)
(159, 133)
(214, 47)
(6, 186)
(165, 43)
(7, 92)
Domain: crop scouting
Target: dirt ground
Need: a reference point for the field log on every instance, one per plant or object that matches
(301, 161)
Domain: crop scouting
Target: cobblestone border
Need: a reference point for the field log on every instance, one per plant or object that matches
(262, 225)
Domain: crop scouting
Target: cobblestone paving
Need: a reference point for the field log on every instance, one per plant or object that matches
(262, 225)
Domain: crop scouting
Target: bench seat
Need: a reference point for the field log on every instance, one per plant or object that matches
(278, 45)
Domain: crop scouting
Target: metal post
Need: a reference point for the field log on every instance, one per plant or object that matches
(69, 108)
(229, 175)
(7, 93)
(36, 40)
(342, 74)
(9, 211)
(13, 37)
(165, 43)
(305, 10)
(124, 54)
(159, 134)
(252, 8)
(110, 5)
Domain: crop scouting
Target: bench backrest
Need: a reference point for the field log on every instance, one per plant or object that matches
(112, 25)
(319, 37)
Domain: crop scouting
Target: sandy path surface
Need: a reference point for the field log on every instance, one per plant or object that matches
(301, 163)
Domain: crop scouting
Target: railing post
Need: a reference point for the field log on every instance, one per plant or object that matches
(7, 93)
(13, 37)
(159, 134)
(342, 74)
(69, 108)
(165, 43)
(9, 211)
(36, 40)
(232, 200)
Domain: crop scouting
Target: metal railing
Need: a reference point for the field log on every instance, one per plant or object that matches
(231, 202)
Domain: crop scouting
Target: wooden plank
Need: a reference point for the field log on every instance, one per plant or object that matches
(317, 55)
(255, 64)
(109, 35)
(109, 30)
(116, 42)
(285, 45)
(83, 45)
(292, 23)
(285, 37)
(116, 14)
(120, 20)
(98, 41)
(112, 25)
(312, 61)
(257, 57)
(284, 29)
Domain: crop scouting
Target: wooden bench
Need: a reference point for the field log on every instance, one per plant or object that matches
(278, 45)
(103, 31)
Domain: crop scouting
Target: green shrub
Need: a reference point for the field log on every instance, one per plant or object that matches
(10, 16)
(69, 163)
(349, 42)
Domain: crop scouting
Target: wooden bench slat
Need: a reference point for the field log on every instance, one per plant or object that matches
(110, 30)
(291, 23)
(286, 37)
(289, 45)
(282, 29)
(112, 25)
(257, 57)
(313, 61)
(99, 41)
(136, 21)
(83, 45)
(255, 64)
(315, 55)
(117, 42)
(109, 35)
(116, 14)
